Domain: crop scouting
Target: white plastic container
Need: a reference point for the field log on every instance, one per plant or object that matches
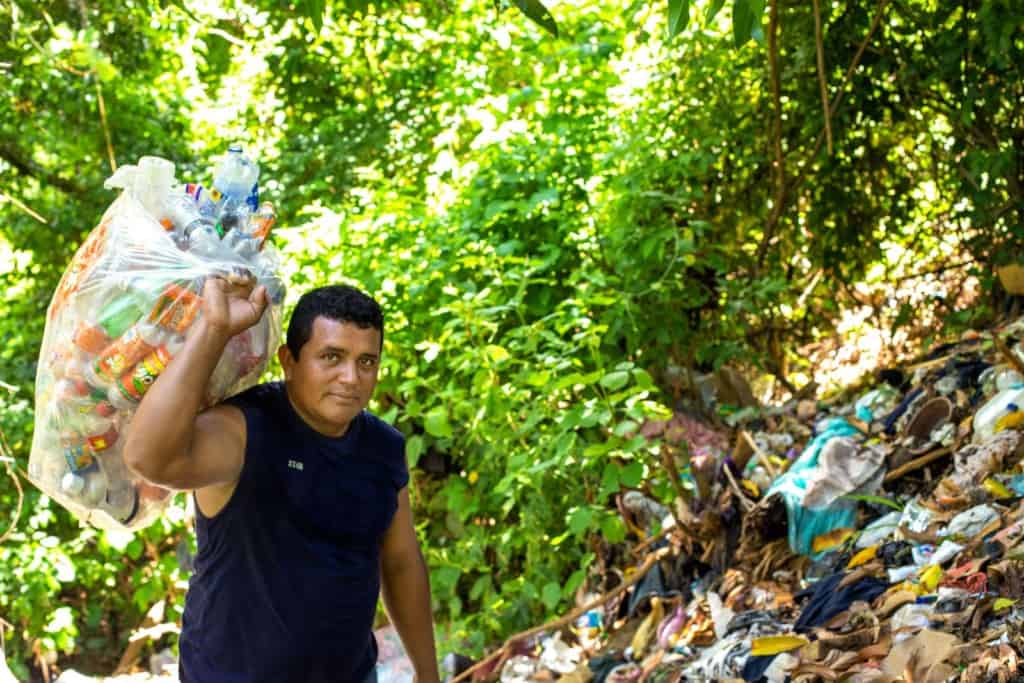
(1003, 403)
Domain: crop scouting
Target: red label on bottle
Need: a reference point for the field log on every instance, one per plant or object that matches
(120, 356)
(135, 384)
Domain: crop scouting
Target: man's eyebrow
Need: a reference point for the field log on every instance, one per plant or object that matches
(338, 350)
(333, 349)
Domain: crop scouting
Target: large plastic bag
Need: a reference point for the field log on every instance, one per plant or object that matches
(118, 317)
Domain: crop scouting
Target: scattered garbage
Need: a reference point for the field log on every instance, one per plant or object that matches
(876, 536)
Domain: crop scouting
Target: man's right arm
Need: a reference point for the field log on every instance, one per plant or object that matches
(171, 443)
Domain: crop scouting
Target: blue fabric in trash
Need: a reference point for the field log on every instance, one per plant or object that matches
(898, 411)
(806, 524)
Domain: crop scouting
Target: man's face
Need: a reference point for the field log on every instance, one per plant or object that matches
(335, 374)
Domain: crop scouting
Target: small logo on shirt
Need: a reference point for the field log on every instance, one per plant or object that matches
(295, 465)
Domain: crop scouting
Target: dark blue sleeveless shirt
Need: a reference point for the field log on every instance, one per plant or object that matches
(288, 573)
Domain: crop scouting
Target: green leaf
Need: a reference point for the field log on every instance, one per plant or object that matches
(643, 379)
(877, 500)
(596, 450)
(446, 577)
(579, 519)
(713, 9)
(551, 594)
(538, 379)
(574, 582)
(742, 21)
(479, 586)
(414, 447)
(615, 380)
(314, 11)
(632, 474)
(134, 549)
(678, 16)
(539, 14)
(180, 4)
(613, 529)
(436, 423)
(497, 353)
(610, 479)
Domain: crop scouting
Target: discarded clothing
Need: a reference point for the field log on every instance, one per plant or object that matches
(827, 600)
(804, 524)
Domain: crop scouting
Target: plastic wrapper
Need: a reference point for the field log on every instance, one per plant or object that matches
(118, 317)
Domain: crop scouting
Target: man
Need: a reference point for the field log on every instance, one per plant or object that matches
(302, 506)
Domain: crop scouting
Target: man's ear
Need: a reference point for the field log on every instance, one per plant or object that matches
(284, 355)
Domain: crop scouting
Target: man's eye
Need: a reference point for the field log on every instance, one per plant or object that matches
(369, 362)
(331, 357)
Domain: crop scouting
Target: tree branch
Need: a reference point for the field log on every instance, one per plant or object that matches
(23, 206)
(103, 121)
(839, 93)
(27, 167)
(780, 170)
(821, 73)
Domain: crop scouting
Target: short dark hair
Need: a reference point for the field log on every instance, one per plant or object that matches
(337, 302)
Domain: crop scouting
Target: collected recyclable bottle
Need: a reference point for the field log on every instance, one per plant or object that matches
(83, 481)
(137, 342)
(129, 389)
(121, 501)
(184, 216)
(78, 400)
(235, 181)
(113, 321)
(242, 244)
(261, 223)
(88, 488)
(204, 241)
(233, 217)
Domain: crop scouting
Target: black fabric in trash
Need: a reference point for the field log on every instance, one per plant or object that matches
(826, 601)
(602, 665)
(652, 584)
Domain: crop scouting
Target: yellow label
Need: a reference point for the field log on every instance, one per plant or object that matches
(773, 645)
(996, 489)
(930, 578)
(863, 557)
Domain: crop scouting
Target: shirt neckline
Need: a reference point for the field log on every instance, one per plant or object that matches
(340, 445)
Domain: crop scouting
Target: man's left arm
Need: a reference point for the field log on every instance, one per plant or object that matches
(406, 590)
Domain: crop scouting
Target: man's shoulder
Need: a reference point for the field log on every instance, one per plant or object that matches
(259, 398)
(378, 429)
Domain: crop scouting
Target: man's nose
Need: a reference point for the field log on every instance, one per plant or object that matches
(347, 372)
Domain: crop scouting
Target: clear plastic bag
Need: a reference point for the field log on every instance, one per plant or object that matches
(117, 319)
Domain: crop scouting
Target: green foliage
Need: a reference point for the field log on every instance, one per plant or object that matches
(553, 226)
(539, 14)
(678, 16)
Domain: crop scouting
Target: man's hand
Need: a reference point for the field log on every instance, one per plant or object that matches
(171, 443)
(232, 303)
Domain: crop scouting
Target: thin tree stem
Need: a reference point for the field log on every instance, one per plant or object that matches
(819, 42)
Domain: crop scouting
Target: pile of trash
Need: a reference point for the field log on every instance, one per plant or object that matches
(873, 537)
